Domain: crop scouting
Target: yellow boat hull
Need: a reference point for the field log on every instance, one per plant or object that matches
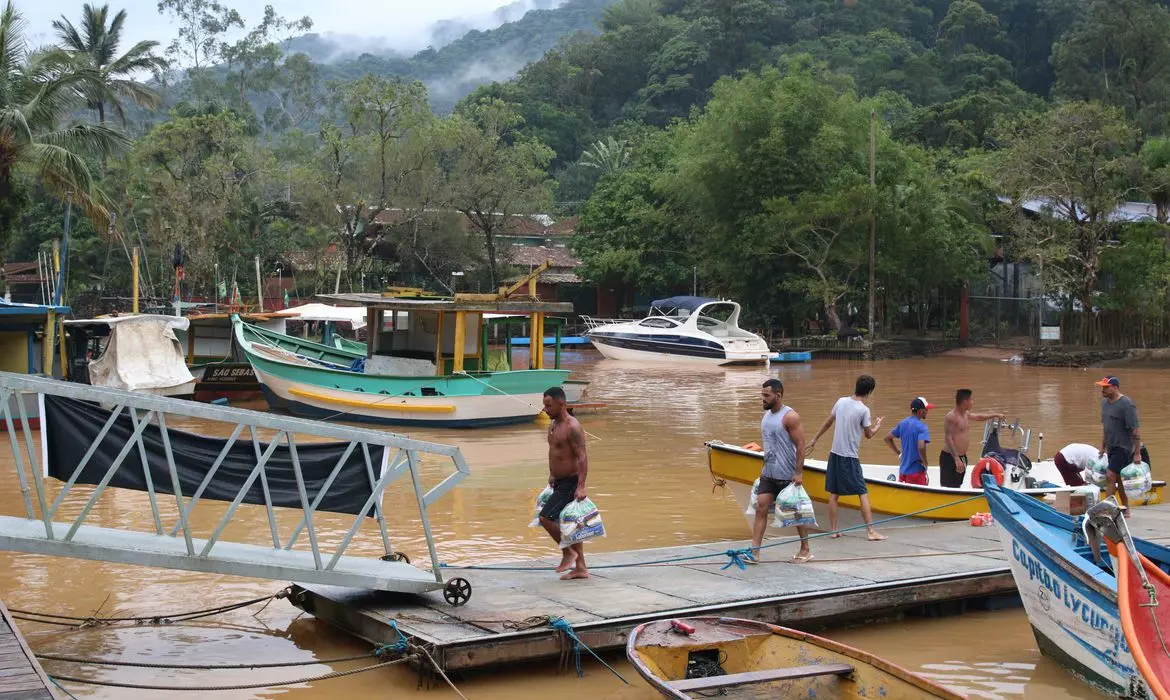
(736, 465)
(754, 657)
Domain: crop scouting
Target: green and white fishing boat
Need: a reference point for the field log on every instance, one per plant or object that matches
(425, 365)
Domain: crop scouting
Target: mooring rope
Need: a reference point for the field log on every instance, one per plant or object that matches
(562, 625)
(94, 621)
(736, 556)
(538, 409)
(201, 667)
(245, 686)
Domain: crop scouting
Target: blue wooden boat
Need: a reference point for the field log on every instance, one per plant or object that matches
(1070, 595)
(800, 356)
(551, 340)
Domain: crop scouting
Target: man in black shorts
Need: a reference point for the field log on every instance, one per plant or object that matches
(568, 467)
(1121, 440)
(783, 465)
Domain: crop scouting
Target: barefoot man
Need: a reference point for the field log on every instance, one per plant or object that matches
(952, 463)
(568, 465)
(843, 475)
(783, 465)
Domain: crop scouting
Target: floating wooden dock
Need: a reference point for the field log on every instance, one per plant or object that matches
(21, 675)
(933, 568)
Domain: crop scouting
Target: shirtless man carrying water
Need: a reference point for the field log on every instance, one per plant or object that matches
(568, 465)
(952, 463)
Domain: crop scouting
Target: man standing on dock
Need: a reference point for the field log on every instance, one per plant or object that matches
(914, 434)
(568, 465)
(1122, 436)
(783, 465)
(952, 463)
(843, 475)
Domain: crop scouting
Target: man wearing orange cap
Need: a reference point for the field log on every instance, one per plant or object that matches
(1121, 438)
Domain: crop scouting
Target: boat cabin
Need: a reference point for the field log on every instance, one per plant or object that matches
(426, 335)
(31, 339)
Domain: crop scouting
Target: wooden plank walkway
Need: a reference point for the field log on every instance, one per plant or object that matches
(21, 675)
(849, 578)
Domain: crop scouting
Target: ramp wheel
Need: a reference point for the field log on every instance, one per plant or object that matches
(457, 591)
(396, 556)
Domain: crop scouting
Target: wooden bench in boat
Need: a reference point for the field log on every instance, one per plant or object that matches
(777, 674)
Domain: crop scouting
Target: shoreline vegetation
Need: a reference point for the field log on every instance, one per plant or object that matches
(802, 158)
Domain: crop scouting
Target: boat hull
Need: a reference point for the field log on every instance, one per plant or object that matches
(235, 381)
(1071, 603)
(661, 657)
(615, 349)
(737, 468)
(298, 383)
(315, 399)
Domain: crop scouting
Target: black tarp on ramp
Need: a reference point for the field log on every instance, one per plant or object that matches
(69, 427)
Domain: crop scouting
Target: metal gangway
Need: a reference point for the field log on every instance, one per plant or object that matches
(176, 542)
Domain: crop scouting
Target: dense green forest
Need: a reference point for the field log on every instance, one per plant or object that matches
(731, 136)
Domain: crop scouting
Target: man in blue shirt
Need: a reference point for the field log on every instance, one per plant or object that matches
(914, 435)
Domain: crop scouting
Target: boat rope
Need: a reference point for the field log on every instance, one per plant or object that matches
(737, 558)
(203, 667)
(732, 554)
(94, 621)
(562, 625)
(397, 647)
(61, 687)
(441, 672)
(245, 686)
(538, 409)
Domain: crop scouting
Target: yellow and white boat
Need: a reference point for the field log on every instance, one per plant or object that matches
(703, 657)
(736, 468)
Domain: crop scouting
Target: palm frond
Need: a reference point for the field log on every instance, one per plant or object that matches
(91, 139)
(13, 47)
(142, 95)
(68, 35)
(138, 58)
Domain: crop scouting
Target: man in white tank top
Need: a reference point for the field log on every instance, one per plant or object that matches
(783, 464)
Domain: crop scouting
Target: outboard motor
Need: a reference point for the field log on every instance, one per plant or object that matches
(1015, 461)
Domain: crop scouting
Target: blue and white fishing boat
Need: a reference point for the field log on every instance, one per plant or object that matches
(1069, 594)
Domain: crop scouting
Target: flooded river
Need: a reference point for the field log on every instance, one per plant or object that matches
(648, 475)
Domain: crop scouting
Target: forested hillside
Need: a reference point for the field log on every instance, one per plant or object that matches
(727, 137)
(741, 133)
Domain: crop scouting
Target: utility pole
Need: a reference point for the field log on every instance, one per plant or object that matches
(872, 217)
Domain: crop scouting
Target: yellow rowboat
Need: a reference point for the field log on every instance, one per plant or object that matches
(736, 468)
(729, 658)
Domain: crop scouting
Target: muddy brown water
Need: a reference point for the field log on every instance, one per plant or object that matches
(648, 475)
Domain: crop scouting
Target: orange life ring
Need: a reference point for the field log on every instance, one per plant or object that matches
(983, 465)
(753, 447)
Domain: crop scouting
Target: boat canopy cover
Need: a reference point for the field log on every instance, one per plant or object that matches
(142, 353)
(355, 315)
(684, 303)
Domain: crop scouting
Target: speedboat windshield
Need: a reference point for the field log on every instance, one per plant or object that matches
(718, 317)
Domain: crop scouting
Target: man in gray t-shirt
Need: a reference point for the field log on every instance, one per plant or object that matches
(843, 475)
(1121, 438)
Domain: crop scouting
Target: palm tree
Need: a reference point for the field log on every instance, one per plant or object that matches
(38, 92)
(95, 49)
(607, 156)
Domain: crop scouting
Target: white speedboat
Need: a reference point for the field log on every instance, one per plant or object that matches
(687, 330)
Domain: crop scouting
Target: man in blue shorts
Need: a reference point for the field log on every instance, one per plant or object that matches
(1122, 436)
(843, 475)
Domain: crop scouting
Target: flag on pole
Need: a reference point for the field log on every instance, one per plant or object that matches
(222, 291)
(286, 298)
